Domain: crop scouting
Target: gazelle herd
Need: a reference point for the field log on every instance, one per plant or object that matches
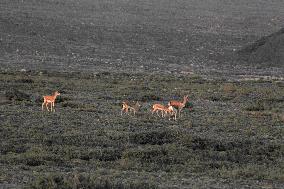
(171, 109)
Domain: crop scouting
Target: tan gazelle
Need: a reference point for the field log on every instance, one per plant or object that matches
(50, 100)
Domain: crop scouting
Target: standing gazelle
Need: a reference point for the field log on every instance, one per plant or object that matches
(135, 108)
(127, 107)
(179, 104)
(50, 100)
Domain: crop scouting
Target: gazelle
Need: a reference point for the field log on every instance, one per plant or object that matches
(126, 107)
(171, 111)
(179, 104)
(165, 110)
(135, 108)
(158, 108)
(50, 100)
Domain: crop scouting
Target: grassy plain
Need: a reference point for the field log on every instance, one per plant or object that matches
(231, 138)
(99, 53)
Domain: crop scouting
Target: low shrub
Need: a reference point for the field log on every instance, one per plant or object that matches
(88, 181)
(258, 106)
(17, 95)
(156, 137)
(151, 97)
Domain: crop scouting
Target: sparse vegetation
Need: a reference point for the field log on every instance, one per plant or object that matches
(228, 139)
(98, 54)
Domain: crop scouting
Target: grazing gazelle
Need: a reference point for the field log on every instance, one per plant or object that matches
(127, 107)
(165, 110)
(158, 108)
(179, 104)
(124, 108)
(50, 100)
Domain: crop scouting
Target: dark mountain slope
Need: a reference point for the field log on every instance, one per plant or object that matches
(267, 51)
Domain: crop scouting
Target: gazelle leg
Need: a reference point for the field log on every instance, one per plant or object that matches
(122, 110)
(165, 113)
(46, 105)
(42, 106)
(157, 113)
(130, 110)
(53, 104)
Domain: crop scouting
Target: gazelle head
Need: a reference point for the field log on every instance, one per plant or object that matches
(56, 93)
(185, 98)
